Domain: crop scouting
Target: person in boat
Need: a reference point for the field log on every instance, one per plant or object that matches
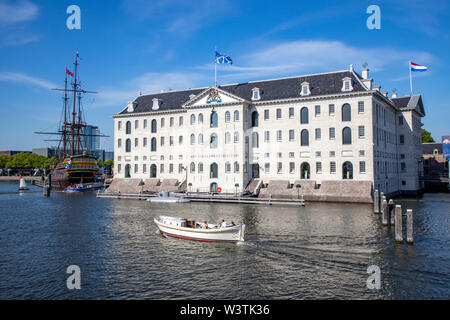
(223, 224)
(233, 224)
(205, 225)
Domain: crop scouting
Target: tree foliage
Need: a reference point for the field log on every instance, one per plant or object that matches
(26, 161)
(108, 164)
(426, 136)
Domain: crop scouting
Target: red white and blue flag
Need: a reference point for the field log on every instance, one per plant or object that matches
(417, 67)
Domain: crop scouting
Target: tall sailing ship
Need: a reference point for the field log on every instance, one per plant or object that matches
(75, 164)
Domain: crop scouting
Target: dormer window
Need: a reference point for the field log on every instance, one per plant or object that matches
(156, 104)
(347, 84)
(305, 89)
(256, 94)
(131, 106)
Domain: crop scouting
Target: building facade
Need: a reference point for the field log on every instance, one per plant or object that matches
(324, 127)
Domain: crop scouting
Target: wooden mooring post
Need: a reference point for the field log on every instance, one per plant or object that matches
(409, 226)
(385, 211)
(398, 224)
(376, 202)
(391, 213)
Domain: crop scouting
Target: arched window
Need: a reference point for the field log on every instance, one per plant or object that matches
(305, 171)
(236, 137)
(227, 137)
(346, 135)
(213, 187)
(213, 171)
(347, 170)
(213, 141)
(304, 115)
(304, 138)
(128, 171)
(255, 118)
(200, 118)
(200, 138)
(236, 115)
(236, 167)
(153, 145)
(255, 140)
(214, 119)
(154, 126)
(192, 119)
(153, 171)
(192, 138)
(128, 127)
(346, 112)
(200, 167)
(192, 167)
(227, 116)
(128, 145)
(227, 167)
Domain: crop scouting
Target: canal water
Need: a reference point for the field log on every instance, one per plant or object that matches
(321, 251)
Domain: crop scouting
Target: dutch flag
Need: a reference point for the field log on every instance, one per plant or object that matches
(417, 67)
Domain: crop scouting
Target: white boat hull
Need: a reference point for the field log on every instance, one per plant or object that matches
(232, 234)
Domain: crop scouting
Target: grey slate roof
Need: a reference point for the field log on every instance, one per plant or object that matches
(285, 88)
(410, 102)
(428, 148)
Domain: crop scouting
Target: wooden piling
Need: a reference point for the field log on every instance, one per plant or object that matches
(398, 224)
(376, 202)
(409, 226)
(385, 211)
(391, 214)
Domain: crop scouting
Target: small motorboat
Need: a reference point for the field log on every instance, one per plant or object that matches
(22, 184)
(76, 188)
(191, 230)
(164, 197)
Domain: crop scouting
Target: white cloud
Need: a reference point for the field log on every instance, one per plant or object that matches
(14, 12)
(16, 77)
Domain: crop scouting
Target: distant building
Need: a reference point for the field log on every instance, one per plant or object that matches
(109, 155)
(11, 153)
(435, 166)
(45, 152)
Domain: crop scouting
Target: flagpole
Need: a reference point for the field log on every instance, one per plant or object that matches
(410, 77)
(215, 67)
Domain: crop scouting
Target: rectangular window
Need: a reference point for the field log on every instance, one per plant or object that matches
(145, 124)
(402, 156)
(119, 143)
(318, 154)
(266, 136)
(119, 125)
(163, 122)
(291, 155)
(362, 153)
(291, 113)
(171, 140)
(332, 167)
(279, 155)
(317, 109)
(318, 134)
(171, 121)
(362, 167)
(180, 121)
(144, 168)
(171, 168)
(318, 167)
(136, 168)
(400, 120)
(291, 167)
(291, 135)
(136, 124)
(402, 139)
(332, 133)
(136, 142)
(279, 167)
(161, 168)
(331, 109)
(180, 168)
(332, 154)
(403, 166)
(162, 141)
(267, 155)
(361, 131)
(279, 138)
(145, 142)
(267, 167)
(278, 114)
(360, 106)
(119, 168)
(266, 114)
(180, 140)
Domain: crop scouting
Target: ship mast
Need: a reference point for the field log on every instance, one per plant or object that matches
(74, 104)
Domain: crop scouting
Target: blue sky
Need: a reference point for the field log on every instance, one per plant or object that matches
(138, 45)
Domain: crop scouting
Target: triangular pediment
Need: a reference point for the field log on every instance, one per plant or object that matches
(213, 96)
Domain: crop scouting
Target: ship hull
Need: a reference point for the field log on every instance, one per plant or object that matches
(74, 170)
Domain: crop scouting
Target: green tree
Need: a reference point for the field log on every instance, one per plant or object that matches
(108, 163)
(426, 136)
(100, 163)
(4, 159)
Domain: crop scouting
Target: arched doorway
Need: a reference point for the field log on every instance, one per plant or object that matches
(213, 187)
(127, 171)
(255, 171)
(305, 171)
(347, 170)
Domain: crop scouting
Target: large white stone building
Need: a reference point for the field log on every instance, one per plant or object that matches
(312, 129)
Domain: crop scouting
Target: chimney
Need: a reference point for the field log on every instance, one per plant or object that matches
(377, 88)
(385, 93)
(394, 95)
(365, 73)
(351, 68)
